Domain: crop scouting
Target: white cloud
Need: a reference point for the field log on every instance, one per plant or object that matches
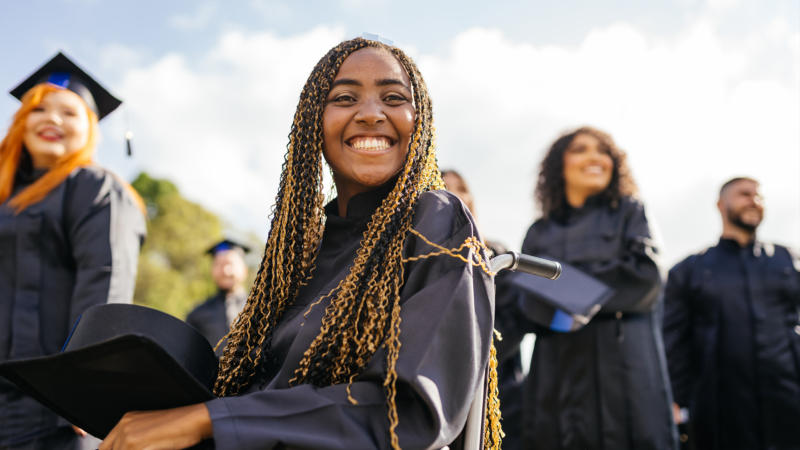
(272, 10)
(721, 5)
(685, 109)
(691, 110)
(217, 126)
(115, 57)
(360, 4)
(196, 20)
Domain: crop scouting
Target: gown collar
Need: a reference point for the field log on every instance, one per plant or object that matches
(732, 244)
(361, 206)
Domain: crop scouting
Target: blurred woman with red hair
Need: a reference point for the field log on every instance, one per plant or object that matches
(70, 233)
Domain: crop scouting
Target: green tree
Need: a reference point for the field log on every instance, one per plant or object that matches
(174, 272)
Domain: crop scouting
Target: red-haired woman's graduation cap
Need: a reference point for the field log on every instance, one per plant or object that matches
(62, 72)
(119, 358)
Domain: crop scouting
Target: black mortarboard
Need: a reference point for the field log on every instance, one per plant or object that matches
(61, 71)
(565, 304)
(119, 358)
(226, 244)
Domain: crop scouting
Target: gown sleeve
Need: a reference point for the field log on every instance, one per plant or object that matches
(446, 329)
(633, 273)
(106, 230)
(677, 329)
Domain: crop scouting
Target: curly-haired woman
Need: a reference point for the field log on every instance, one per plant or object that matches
(605, 385)
(364, 328)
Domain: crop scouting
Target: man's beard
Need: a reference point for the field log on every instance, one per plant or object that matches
(736, 220)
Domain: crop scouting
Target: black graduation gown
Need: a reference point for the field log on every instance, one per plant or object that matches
(509, 359)
(209, 318)
(446, 330)
(76, 248)
(732, 334)
(604, 386)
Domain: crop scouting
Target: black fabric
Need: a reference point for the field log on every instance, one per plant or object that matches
(447, 320)
(604, 386)
(732, 333)
(210, 320)
(63, 438)
(76, 248)
(510, 377)
(120, 358)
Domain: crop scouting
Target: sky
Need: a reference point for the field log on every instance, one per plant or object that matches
(695, 92)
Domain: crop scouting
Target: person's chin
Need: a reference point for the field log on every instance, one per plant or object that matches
(747, 225)
(595, 183)
(752, 220)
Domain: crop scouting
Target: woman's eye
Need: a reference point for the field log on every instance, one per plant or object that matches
(343, 98)
(38, 109)
(395, 99)
(70, 113)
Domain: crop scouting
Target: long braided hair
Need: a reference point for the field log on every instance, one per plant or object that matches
(364, 309)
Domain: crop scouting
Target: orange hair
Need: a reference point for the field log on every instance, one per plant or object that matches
(11, 153)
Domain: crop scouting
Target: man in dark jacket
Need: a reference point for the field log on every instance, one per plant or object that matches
(732, 334)
(215, 315)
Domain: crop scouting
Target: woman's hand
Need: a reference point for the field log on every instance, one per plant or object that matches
(676, 414)
(165, 429)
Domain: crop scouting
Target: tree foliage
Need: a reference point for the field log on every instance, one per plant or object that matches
(174, 272)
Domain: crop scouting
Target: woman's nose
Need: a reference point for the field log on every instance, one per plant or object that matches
(595, 155)
(370, 112)
(54, 117)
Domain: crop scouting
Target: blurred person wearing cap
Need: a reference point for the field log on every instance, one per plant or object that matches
(70, 234)
(604, 386)
(509, 360)
(732, 334)
(213, 317)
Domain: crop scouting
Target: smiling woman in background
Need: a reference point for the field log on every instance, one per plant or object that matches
(70, 233)
(604, 386)
(362, 330)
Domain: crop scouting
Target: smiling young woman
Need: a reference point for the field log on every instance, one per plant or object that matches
(358, 332)
(588, 168)
(612, 372)
(59, 125)
(367, 122)
(70, 233)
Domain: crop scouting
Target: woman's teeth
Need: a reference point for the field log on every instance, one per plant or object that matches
(593, 169)
(370, 144)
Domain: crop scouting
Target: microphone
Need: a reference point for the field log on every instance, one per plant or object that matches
(526, 263)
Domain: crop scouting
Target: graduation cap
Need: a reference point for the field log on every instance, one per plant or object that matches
(119, 358)
(63, 72)
(226, 244)
(565, 304)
